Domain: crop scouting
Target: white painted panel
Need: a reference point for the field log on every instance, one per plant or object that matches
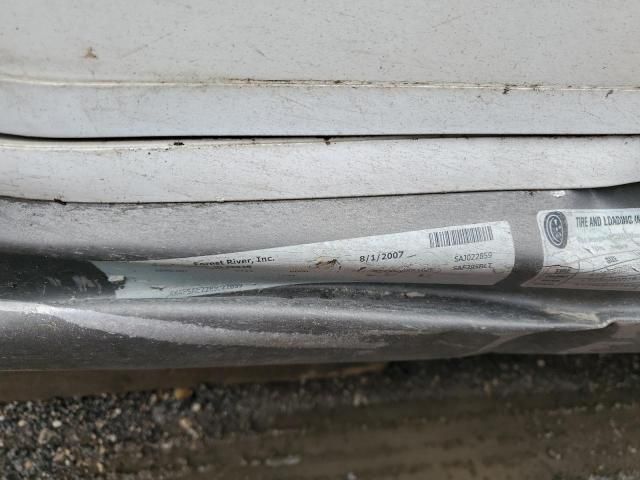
(549, 42)
(93, 68)
(207, 170)
(268, 109)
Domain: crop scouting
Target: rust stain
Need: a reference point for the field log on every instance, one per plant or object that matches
(90, 54)
(327, 263)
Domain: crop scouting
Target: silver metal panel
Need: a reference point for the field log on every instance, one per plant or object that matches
(66, 324)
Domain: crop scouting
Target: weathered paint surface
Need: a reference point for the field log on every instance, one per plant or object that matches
(519, 42)
(129, 109)
(207, 170)
(283, 67)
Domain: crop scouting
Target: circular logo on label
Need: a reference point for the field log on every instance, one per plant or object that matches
(556, 229)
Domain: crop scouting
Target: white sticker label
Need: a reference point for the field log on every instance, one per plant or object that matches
(480, 254)
(590, 249)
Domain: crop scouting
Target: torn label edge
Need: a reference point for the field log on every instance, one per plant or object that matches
(471, 254)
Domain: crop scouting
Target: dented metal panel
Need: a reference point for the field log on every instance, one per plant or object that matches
(60, 311)
(423, 243)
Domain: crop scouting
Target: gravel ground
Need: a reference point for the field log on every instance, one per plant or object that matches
(491, 416)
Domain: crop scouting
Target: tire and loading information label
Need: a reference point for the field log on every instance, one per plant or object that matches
(476, 254)
(590, 249)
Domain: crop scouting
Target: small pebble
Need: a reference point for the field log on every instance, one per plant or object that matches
(182, 393)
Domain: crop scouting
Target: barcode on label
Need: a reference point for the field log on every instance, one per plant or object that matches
(460, 236)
